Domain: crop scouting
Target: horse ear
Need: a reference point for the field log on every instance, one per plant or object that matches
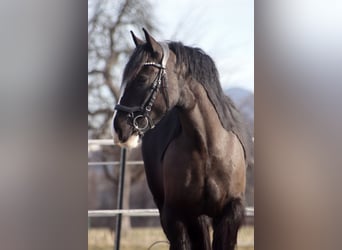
(154, 45)
(136, 40)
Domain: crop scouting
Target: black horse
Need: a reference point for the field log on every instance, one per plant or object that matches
(194, 143)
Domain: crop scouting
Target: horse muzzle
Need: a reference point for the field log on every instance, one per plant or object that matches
(124, 134)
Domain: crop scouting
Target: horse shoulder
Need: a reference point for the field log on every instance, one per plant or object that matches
(229, 166)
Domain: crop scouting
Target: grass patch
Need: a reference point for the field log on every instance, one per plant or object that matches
(143, 238)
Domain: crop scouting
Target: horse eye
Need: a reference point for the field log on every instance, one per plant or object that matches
(141, 81)
(140, 84)
(142, 78)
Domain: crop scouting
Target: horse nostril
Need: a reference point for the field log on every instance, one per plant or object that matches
(121, 136)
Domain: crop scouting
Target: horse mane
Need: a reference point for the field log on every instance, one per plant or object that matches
(197, 64)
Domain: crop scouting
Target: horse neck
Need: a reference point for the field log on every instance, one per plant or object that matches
(198, 116)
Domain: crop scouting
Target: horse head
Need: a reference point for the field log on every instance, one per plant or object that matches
(149, 90)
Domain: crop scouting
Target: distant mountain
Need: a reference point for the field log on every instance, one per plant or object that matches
(244, 101)
(237, 94)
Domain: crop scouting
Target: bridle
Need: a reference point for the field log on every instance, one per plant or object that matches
(139, 116)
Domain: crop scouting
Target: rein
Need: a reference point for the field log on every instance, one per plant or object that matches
(139, 116)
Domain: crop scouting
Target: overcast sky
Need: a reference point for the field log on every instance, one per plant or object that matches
(222, 28)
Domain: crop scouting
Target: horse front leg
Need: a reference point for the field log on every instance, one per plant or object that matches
(198, 230)
(175, 230)
(227, 224)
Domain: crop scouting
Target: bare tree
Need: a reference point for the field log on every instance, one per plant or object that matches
(109, 45)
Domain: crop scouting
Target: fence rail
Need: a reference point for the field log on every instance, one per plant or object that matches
(104, 142)
(108, 142)
(127, 212)
(249, 212)
(101, 163)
